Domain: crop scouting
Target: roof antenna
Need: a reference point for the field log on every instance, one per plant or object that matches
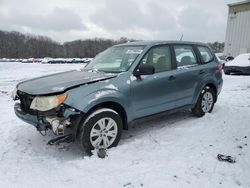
(181, 37)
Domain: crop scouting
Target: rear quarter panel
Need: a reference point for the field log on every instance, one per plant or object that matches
(212, 76)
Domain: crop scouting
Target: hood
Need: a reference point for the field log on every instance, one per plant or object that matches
(60, 82)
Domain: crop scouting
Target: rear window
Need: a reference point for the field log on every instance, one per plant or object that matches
(206, 55)
(185, 55)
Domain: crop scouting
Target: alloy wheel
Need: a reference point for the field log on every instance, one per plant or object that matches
(103, 133)
(207, 102)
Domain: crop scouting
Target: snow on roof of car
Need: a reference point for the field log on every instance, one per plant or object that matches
(242, 60)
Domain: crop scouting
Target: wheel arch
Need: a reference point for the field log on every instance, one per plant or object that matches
(200, 88)
(108, 104)
(114, 106)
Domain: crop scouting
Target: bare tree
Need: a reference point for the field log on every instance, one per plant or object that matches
(18, 45)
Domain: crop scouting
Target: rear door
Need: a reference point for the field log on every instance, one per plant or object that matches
(188, 73)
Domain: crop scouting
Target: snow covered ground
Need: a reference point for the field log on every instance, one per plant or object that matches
(172, 150)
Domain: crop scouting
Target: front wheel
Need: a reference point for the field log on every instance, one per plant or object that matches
(205, 102)
(101, 129)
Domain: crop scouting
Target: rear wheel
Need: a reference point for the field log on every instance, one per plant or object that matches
(205, 102)
(101, 129)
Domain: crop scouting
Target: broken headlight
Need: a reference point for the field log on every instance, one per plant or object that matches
(45, 103)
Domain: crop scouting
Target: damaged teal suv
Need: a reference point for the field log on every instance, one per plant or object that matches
(125, 82)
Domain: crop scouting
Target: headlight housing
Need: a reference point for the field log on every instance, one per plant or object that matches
(46, 103)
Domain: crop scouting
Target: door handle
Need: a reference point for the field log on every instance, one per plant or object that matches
(202, 72)
(171, 77)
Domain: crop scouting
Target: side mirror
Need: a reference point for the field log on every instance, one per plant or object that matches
(144, 69)
(229, 58)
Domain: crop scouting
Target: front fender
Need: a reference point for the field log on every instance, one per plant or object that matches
(105, 96)
(85, 103)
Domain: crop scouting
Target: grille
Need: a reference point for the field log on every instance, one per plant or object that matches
(26, 101)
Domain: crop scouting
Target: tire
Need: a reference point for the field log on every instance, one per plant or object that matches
(205, 103)
(101, 129)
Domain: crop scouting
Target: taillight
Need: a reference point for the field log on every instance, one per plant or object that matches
(220, 67)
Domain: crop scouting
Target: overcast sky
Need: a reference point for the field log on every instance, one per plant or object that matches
(66, 20)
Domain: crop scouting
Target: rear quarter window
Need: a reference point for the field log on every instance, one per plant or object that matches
(206, 54)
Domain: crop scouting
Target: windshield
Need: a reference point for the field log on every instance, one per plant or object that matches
(115, 59)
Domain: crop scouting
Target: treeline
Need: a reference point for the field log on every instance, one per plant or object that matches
(217, 47)
(18, 45)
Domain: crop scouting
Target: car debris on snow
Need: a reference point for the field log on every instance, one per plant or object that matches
(102, 153)
(226, 158)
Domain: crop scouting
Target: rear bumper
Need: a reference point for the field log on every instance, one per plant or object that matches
(237, 70)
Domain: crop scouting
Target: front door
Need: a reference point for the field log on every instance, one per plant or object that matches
(155, 93)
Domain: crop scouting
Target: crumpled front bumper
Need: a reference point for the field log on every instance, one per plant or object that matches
(66, 122)
(31, 119)
(65, 130)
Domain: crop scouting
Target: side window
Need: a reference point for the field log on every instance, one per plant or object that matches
(159, 57)
(206, 55)
(185, 55)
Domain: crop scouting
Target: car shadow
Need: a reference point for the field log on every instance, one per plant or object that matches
(151, 123)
